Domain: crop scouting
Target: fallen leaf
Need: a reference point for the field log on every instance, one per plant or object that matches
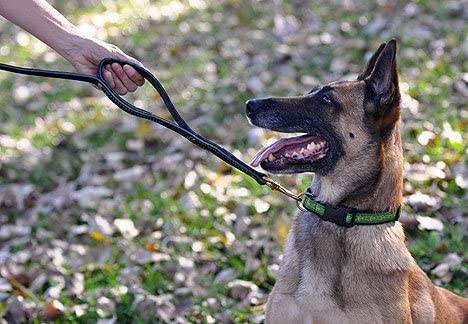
(143, 257)
(240, 289)
(429, 223)
(144, 130)
(422, 202)
(151, 247)
(126, 227)
(98, 236)
(52, 310)
(130, 175)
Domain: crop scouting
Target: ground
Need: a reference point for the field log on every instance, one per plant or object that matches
(106, 217)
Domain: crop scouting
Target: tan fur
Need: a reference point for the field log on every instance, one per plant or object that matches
(364, 274)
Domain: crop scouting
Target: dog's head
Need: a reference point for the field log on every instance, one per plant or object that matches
(343, 122)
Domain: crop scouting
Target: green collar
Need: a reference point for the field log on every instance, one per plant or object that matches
(347, 216)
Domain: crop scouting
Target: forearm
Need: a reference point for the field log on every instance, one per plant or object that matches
(43, 21)
(84, 53)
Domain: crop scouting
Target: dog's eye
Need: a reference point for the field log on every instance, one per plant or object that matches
(326, 99)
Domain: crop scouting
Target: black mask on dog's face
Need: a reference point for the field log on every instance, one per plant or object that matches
(335, 118)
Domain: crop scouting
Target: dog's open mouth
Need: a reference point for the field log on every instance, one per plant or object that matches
(291, 151)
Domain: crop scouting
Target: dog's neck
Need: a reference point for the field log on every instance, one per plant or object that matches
(381, 193)
(366, 243)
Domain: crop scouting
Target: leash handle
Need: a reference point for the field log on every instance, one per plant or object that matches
(147, 75)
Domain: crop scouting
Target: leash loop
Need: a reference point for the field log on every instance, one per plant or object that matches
(179, 125)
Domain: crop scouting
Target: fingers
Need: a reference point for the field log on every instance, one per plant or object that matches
(114, 80)
(123, 78)
(108, 76)
(133, 75)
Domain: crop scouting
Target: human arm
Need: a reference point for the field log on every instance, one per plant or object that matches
(44, 22)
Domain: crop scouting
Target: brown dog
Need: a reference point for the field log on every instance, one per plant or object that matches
(335, 268)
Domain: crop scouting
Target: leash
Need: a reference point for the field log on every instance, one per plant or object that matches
(179, 125)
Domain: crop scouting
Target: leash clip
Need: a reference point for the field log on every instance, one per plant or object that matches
(277, 187)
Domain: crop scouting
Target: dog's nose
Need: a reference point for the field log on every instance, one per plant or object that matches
(252, 106)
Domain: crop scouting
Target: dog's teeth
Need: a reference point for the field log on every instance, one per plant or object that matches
(321, 156)
(271, 158)
(311, 146)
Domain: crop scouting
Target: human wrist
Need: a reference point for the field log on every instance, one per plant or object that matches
(68, 44)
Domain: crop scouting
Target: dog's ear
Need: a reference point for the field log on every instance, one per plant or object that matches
(383, 80)
(371, 63)
(383, 96)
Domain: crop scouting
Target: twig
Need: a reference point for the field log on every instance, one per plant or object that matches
(15, 283)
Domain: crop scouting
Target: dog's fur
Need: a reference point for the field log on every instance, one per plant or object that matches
(363, 274)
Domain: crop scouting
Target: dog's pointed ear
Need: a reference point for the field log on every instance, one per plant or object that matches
(382, 101)
(371, 63)
(383, 80)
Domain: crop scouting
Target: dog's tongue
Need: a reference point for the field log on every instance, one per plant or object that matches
(265, 152)
(275, 147)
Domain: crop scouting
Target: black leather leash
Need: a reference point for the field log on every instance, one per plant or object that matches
(179, 126)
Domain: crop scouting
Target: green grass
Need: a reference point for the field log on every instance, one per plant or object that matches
(104, 276)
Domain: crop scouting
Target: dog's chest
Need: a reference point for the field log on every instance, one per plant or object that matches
(336, 278)
(320, 289)
(319, 294)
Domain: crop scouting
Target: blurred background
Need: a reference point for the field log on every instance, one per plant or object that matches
(104, 217)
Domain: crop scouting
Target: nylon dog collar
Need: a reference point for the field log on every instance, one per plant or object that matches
(347, 216)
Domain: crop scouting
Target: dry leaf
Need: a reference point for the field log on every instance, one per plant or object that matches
(144, 130)
(51, 310)
(151, 247)
(98, 236)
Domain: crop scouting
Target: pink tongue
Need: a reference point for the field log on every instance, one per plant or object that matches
(275, 147)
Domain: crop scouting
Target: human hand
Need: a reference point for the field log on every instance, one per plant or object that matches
(86, 53)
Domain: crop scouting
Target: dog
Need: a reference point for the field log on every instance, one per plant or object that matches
(335, 270)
